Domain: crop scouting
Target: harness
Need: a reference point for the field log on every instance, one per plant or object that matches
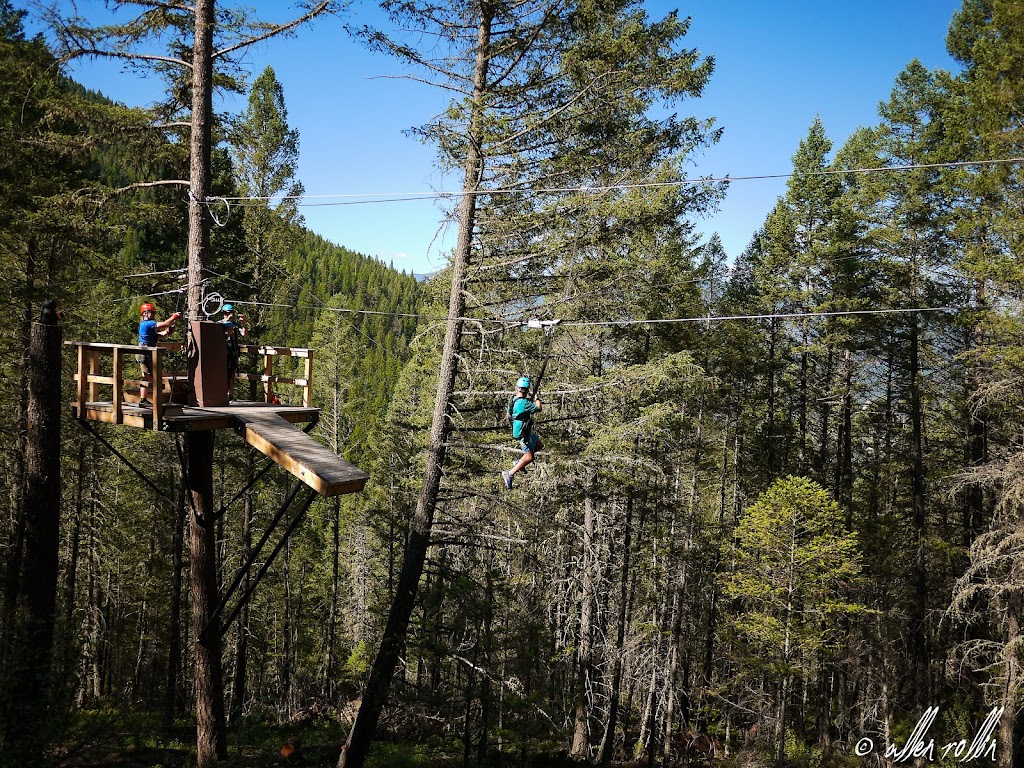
(526, 419)
(234, 348)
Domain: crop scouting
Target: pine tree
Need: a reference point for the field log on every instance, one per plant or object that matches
(265, 151)
(792, 578)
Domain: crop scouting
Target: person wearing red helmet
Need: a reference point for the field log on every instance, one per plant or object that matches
(150, 330)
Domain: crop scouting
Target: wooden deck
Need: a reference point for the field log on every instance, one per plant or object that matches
(268, 428)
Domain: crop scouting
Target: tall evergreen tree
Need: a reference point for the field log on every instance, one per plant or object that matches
(265, 151)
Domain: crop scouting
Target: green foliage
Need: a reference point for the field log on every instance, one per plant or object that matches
(677, 531)
(794, 572)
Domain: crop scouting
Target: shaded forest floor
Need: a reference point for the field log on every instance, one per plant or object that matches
(112, 739)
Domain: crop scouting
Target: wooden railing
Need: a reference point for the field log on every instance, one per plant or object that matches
(94, 373)
(268, 379)
(90, 376)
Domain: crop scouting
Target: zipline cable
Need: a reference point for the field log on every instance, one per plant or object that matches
(625, 322)
(394, 197)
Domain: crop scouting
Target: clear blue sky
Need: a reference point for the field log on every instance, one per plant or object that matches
(778, 63)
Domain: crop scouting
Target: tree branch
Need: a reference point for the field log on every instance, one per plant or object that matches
(83, 51)
(274, 31)
(161, 183)
(414, 79)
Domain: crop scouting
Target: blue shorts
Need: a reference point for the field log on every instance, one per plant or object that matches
(530, 444)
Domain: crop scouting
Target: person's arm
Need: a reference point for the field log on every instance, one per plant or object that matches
(537, 406)
(166, 325)
(242, 330)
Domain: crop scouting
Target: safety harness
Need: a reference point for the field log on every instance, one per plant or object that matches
(525, 418)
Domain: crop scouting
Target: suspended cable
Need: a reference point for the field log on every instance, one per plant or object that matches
(364, 198)
(624, 322)
(774, 315)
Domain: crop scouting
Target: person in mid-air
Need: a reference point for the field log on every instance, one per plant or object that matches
(149, 332)
(519, 416)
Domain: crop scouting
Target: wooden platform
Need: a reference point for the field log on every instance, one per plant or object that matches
(268, 428)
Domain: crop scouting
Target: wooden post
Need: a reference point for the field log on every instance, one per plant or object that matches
(81, 380)
(307, 373)
(158, 386)
(268, 373)
(118, 376)
(94, 370)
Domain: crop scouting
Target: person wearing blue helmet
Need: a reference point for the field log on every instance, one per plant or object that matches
(234, 331)
(519, 416)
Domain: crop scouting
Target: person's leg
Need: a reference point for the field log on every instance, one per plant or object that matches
(529, 449)
(527, 457)
(147, 375)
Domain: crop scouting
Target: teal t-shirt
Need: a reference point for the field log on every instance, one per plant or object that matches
(522, 409)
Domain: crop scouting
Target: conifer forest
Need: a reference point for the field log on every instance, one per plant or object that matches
(778, 517)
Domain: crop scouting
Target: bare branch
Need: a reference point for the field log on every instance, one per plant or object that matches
(275, 30)
(443, 86)
(83, 51)
(161, 5)
(143, 184)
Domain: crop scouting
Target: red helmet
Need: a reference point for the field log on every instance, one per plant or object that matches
(147, 307)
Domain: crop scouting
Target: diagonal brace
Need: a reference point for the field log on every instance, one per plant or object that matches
(89, 428)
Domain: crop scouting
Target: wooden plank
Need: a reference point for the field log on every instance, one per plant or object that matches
(132, 417)
(254, 349)
(315, 465)
(169, 345)
(272, 379)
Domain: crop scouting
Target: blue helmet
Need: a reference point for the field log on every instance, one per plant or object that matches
(228, 308)
(523, 382)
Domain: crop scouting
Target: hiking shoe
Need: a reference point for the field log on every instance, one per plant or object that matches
(144, 403)
(506, 478)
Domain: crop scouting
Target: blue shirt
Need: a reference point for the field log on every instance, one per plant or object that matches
(522, 409)
(147, 333)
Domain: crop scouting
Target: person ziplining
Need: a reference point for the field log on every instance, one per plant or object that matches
(522, 407)
(519, 416)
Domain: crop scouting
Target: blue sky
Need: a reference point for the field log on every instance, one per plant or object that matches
(778, 64)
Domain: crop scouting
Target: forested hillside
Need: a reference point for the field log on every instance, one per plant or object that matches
(777, 516)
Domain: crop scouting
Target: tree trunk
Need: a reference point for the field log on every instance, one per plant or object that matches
(585, 662)
(607, 748)
(918, 647)
(485, 683)
(332, 622)
(171, 697)
(41, 514)
(1010, 756)
(240, 679)
(16, 545)
(211, 737)
(379, 682)
(71, 575)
